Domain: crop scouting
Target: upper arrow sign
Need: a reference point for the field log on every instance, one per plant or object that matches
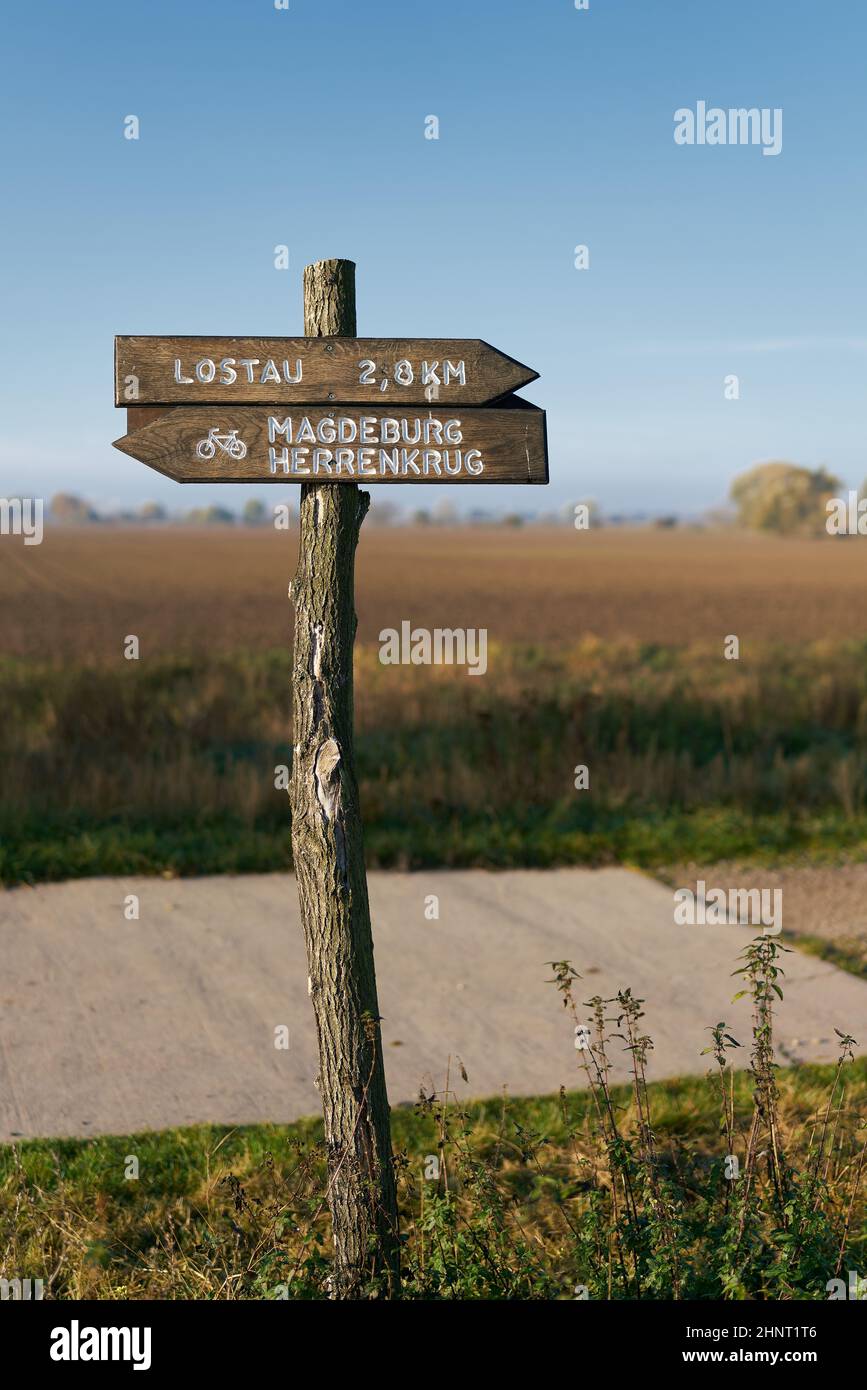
(235, 371)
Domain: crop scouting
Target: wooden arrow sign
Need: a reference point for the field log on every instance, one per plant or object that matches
(245, 444)
(231, 371)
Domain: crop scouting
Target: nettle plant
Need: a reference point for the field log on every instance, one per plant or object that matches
(673, 1221)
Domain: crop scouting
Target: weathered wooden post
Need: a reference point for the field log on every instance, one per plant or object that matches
(325, 413)
(328, 850)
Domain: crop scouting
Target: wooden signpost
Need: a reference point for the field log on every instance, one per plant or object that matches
(324, 409)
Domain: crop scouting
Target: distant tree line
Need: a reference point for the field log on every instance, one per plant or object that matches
(784, 498)
(69, 509)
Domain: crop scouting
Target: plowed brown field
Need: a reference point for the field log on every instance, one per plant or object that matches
(81, 592)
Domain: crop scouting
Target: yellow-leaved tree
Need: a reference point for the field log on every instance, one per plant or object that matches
(785, 498)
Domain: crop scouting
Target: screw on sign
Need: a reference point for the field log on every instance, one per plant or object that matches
(324, 413)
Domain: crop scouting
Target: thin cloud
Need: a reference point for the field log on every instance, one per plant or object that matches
(804, 344)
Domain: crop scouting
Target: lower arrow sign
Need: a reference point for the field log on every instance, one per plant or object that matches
(279, 444)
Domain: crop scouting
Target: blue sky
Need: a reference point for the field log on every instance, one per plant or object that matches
(306, 127)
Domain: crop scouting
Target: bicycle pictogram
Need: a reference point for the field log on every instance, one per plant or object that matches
(229, 443)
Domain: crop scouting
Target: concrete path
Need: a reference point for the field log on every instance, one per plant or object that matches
(112, 1026)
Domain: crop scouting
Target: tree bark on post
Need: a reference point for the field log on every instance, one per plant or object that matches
(328, 853)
